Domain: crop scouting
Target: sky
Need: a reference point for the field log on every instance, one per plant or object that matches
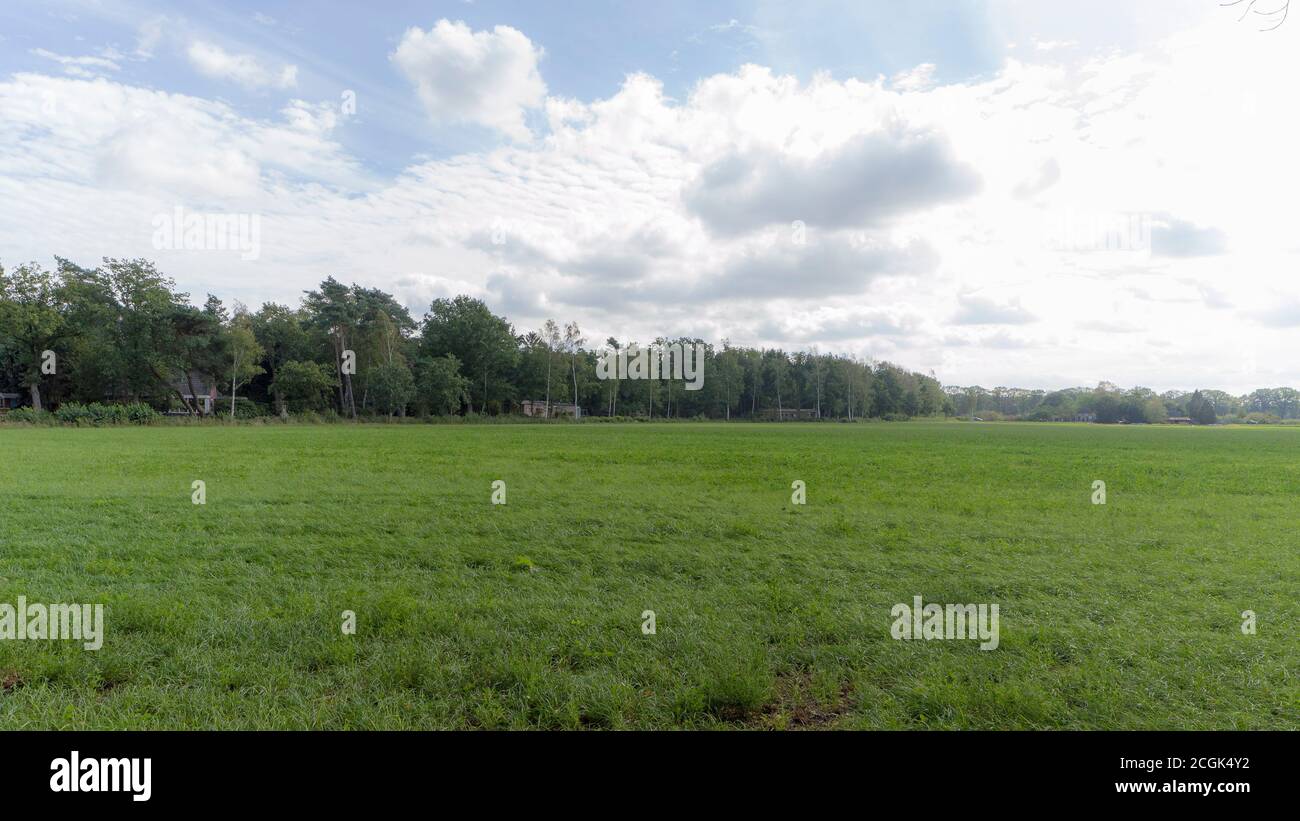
(1003, 192)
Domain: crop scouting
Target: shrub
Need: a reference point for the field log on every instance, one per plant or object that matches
(29, 416)
(73, 413)
(101, 414)
(245, 408)
(98, 413)
(138, 413)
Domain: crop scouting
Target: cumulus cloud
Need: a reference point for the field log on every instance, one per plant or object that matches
(842, 325)
(1181, 238)
(835, 266)
(867, 180)
(1043, 178)
(1285, 313)
(977, 310)
(487, 78)
(213, 61)
(120, 137)
(915, 79)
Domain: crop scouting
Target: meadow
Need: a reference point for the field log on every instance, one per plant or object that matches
(768, 614)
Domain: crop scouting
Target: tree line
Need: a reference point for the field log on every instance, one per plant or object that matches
(1109, 403)
(122, 333)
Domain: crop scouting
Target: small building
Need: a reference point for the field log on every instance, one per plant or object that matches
(787, 414)
(202, 396)
(9, 401)
(1180, 420)
(537, 407)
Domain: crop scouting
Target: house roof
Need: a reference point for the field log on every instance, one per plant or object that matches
(205, 385)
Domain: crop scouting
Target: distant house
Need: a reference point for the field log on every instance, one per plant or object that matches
(1180, 420)
(202, 396)
(537, 407)
(784, 414)
(1085, 417)
(9, 401)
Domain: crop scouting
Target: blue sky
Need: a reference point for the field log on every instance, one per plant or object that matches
(590, 47)
(940, 184)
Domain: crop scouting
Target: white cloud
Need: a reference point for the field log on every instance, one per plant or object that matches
(920, 78)
(213, 61)
(979, 310)
(114, 138)
(487, 78)
(148, 36)
(872, 177)
(84, 66)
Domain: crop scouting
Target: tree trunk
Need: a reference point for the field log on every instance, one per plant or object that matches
(573, 362)
(548, 383)
(338, 369)
(232, 388)
(194, 407)
(136, 397)
(817, 378)
(36, 396)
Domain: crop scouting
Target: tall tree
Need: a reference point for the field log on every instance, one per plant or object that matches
(33, 320)
(245, 352)
(551, 338)
(335, 311)
(280, 332)
(465, 328)
(573, 344)
(439, 384)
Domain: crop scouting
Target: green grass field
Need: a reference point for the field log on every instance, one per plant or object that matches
(528, 615)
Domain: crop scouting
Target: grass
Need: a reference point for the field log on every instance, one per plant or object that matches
(227, 615)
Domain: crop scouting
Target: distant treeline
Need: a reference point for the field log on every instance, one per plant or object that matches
(87, 339)
(121, 333)
(1109, 403)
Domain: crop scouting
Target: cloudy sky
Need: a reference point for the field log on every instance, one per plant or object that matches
(1005, 192)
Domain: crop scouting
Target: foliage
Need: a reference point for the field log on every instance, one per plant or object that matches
(303, 385)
